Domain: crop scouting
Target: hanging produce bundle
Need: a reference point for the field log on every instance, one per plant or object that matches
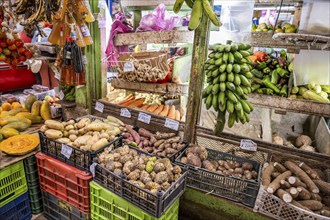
(229, 80)
(271, 75)
(198, 7)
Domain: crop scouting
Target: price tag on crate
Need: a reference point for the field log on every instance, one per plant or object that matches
(249, 145)
(99, 107)
(145, 118)
(92, 168)
(61, 95)
(172, 124)
(124, 112)
(66, 150)
(128, 67)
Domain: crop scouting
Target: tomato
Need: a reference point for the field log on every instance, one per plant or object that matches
(10, 41)
(12, 47)
(28, 54)
(19, 43)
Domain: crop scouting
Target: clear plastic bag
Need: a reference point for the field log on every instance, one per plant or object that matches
(158, 20)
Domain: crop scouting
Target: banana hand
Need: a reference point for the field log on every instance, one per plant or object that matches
(210, 13)
(196, 15)
(177, 5)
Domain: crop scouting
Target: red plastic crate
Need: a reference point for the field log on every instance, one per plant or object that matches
(64, 181)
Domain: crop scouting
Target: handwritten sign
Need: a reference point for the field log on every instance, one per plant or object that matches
(249, 145)
(172, 124)
(99, 107)
(124, 112)
(145, 118)
(66, 150)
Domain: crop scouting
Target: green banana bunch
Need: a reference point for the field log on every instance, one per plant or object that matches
(198, 7)
(229, 81)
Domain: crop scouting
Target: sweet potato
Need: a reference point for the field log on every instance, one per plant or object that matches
(159, 142)
(173, 140)
(208, 165)
(275, 184)
(128, 102)
(145, 133)
(145, 107)
(138, 103)
(194, 160)
(135, 135)
(128, 98)
(266, 175)
(311, 204)
(165, 111)
(159, 110)
(177, 115)
(160, 135)
(152, 108)
(302, 175)
(171, 112)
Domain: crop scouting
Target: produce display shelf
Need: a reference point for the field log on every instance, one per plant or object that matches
(156, 37)
(232, 188)
(12, 183)
(55, 208)
(107, 205)
(154, 204)
(291, 105)
(169, 88)
(17, 209)
(64, 181)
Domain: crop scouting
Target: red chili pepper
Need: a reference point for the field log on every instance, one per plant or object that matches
(261, 56)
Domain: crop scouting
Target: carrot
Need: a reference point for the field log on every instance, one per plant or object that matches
(177, 115)
(159, 109)
(171, 112)
(128, 98)
(152, 108)
(164, 113)
(145, 107)
(138, 103)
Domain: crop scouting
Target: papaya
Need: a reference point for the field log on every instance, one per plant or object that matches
(29, 101)
(1, 137)
(35, 119)
(45, 111)
(6, 106)
(35, 109)
(8, 132)
(12, 119)
(12, 112)
(16, 105)
(20, 126)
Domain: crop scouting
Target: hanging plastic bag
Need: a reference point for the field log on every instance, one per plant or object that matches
(158, 20)
(119, 26)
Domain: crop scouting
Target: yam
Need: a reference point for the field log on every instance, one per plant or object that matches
(275, 184)
(177, 115)
(160, 135)
(310, 172)
(302, 175)
(315, 196)
(137, 103)
(266, 175)
(171, 112)
(145, 133)
(285, 196)
(323, 186)
(279, 167)
(293, 192)
(311, 204)
(295, 181)
(126, 104)
(145, 107)
(295, 203)
(135, 134)
(284, 184)
(275, 174)
(159, 110)
(325, 213)
(304, 194)
(165, 111)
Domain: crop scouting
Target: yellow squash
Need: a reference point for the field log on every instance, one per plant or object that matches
(19, 144)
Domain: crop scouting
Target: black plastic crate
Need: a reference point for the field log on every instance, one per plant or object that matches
(172, 157)
(78, 158)
(19, 208)
(57, 209)
(233, 188)
(31, 171)
(155, 205)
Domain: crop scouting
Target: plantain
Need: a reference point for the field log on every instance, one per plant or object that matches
(210, 13)
(177, 6)
(36, 14)
(190, 3)
(196, 15)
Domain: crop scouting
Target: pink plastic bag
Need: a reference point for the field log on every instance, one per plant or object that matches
(158, 20)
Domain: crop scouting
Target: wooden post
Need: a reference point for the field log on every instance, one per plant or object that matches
(201, 40)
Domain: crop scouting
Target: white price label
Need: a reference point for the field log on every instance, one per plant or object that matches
(57, 75)
(61, 95)
(124, 112)
(99, 107)
(247, 144)
(128, 67)
(66, 150)
(92, 168)
(172, 124)
(145, 118)
(112, 74)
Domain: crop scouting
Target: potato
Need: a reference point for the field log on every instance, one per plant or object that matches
(63, 140)
(43, 128)
(53, 134)
(52, 124)
(83, 122)
(73, 137)
(247, 166)
(105, 135)
(74, 132)
(82, 131)
(80, 141)
(94, 139)
(100, 143)
(66, 134)
(194, 160)
(69, 127)
(70, 122)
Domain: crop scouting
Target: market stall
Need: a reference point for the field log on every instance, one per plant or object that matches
(164, 110)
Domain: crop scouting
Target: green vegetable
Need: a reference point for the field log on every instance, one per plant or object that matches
(274, 77)
(255, 87)
(266, 70)
(295, 90)
(266, 81)
(326, 88)
(284, 91)
(317, 89)
(302, 90)
(282, 72)
(262, 65)
(309, 94)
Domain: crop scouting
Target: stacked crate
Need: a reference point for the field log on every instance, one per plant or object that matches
(14, 198)
(31, 173)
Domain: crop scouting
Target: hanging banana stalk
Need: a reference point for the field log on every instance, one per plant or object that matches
(198, 8)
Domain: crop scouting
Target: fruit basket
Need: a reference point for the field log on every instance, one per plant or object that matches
(64, 181)
(233, 188)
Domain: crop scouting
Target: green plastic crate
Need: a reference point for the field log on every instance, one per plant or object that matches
(106, 205)
(12, 183)
(31, 171)
(35, 199)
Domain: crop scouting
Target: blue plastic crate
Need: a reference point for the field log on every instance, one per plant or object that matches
(18, 209)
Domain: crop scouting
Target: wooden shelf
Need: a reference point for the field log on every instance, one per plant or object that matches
(156, 37)
(137, 3)
(260, 39)
(170, 88)
(291, 105)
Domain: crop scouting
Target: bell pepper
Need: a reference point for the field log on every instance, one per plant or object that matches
(262, 65)
(266, 70)
(284, 91)
(274, 77)
(269, 84)
(254, 87)
(257, 73)
(283, 54)
(261, 56)
(282, 72)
